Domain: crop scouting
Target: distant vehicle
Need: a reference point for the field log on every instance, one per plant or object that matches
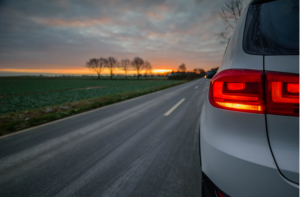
(210, 74)
(249, 127)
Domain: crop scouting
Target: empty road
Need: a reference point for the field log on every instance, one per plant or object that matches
(146, 146)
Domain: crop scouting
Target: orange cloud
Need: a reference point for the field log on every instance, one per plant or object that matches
(71, 22)
(154, 15)
(162, 8)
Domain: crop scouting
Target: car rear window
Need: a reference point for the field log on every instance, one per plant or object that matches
(272, 28)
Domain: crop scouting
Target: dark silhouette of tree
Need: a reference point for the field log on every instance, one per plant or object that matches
(148, 68)
(102, 64)
(200, 72)
(138, 65)
(182, 68)
(111, 65)
(97, 65)
(231, 11)
(93, 64)
(125, 63)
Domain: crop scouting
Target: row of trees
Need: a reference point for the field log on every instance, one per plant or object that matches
(111, 63)
(183, 74)
(199, 71)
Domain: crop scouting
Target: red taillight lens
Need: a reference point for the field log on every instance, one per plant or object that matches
(293, 88)
(239, 90)
(282, 93)
(236, 86)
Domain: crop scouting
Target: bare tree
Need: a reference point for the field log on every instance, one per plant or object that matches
(93, 64)
(111, 65)
(102, 64)
(200, 71)
(148, 68)
(138, 64)
(125, 63)
(182, 68)
(231, 11)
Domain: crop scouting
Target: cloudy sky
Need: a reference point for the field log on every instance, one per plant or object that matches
(59, 36)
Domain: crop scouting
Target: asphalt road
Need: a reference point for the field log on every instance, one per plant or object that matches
(146, 146)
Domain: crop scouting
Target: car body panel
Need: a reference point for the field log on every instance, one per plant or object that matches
(284, 140)
(235, 57)
(283, 131)
(282, 63)
(237, 158)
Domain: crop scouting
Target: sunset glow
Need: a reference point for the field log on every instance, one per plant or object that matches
(64, 36)
(161, 70)
(76, 71)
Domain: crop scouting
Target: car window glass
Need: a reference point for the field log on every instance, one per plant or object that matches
(272, 28)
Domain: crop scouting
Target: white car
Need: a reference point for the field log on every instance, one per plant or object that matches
(249, 127)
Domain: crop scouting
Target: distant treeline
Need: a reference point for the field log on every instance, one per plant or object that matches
(111, 63)
(182, 74)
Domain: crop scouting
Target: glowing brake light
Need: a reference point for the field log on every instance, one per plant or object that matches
(242, 90)
(293, 87)
(277, 94)
(236, 86)
(282, 93)
(239, 90)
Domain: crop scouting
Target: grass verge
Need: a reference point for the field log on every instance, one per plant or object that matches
(16, 121)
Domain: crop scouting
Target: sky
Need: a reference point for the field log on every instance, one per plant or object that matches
(60, 36)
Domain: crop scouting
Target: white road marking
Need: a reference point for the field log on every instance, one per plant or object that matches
(174, 107)
(196, 87)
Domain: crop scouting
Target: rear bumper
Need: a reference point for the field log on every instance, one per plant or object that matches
(236, 156)
(237, 177)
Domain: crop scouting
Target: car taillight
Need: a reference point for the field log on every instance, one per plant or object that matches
(242, 90)
(282, 93)
(239, 90)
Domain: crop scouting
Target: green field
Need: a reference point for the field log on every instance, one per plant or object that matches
(25, 93)
(24, 85)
